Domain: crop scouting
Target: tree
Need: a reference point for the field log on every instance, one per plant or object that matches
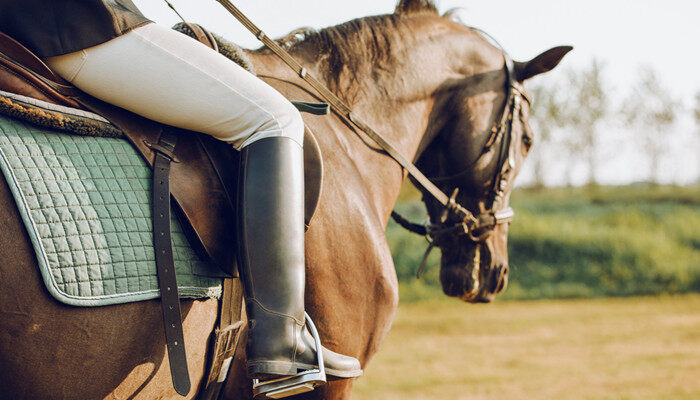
(653, 111)
(548, 115)
(586, 107)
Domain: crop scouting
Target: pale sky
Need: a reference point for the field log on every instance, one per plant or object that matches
(625, 34)
(622, 34)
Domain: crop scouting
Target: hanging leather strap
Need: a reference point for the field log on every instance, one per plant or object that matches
(165, 265)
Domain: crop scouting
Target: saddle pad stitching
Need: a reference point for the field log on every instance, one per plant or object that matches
(125, 165)
(28, 222)
(81, 273)
(137, 260)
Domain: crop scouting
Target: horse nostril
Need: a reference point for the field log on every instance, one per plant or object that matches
(502, 279)
(498, 277)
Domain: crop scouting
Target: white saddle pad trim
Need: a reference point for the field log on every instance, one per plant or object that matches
(53, 107)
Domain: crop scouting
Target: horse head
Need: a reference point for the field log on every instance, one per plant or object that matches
(475, 148)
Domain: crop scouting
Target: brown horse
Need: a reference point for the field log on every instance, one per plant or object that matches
(433, 86)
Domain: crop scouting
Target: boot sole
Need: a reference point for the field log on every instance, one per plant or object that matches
(266, 370)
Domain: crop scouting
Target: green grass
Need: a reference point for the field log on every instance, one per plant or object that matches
(619, 348)
(581, 242)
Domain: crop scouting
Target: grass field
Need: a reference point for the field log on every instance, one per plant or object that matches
(580, 242)
(620, 348)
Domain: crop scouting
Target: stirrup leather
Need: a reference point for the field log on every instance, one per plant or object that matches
(296, 384)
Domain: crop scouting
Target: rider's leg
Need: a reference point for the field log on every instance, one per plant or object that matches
(168, 77)
(273, 213)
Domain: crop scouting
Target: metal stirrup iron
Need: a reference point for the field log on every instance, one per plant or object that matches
(297, 384)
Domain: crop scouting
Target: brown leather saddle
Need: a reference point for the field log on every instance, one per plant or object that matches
(203, 180)
(199, 172)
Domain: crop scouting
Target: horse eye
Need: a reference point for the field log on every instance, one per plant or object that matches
(527, 141)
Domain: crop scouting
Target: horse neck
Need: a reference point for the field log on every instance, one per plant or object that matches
(398, 105)
(401, 116)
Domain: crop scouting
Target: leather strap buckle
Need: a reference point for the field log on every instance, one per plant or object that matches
(162, 150)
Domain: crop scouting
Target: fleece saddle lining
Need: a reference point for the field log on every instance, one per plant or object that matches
(68, 111)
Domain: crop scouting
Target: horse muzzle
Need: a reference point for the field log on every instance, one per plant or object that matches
(476, 279)
(495, 283)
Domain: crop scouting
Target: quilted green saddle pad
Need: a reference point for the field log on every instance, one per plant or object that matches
(85, 202)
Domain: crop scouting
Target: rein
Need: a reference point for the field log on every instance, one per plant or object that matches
(346, 113)
(477, 227)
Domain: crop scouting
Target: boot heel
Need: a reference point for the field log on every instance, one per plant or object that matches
(293, 385)
(265, 370)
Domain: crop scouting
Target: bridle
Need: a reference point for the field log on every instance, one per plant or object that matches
(456, 219)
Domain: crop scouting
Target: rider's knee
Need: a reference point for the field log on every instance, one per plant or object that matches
(291, 122)
(282, 119)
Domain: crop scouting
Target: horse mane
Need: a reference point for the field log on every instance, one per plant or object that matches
(416, 6)
(360, 45)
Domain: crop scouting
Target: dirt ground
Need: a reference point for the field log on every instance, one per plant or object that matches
(622, 348)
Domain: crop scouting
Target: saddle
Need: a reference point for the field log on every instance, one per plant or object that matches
(197, 171)
(204, 178)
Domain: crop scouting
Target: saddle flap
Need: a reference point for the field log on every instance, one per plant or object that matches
(313, 175)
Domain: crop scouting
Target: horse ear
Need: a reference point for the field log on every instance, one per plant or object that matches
(545, 62)
(415, 6)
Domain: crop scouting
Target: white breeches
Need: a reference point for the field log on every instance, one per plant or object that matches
(168, 77)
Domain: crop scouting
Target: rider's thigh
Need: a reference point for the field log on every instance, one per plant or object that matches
(166, 76)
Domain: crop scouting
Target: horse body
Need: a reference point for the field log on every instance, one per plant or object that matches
(352, 289)
(406, 88)
(50, 350)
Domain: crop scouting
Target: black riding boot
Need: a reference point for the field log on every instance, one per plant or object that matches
(271, 258)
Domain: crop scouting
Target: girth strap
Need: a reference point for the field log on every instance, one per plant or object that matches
(165, 265)
(226, 338)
